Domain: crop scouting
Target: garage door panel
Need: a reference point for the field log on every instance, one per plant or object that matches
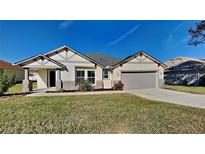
(139, 80)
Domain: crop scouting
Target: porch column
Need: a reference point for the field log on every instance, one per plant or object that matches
(26, 85)
(58, 79)
(26, 74)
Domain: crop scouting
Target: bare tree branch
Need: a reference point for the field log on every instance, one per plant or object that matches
(197, 34)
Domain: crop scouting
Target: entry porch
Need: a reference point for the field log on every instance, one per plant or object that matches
(47, 79)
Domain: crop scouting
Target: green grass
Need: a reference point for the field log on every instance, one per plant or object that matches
(116, 113)
(17, 88)
(188, 89)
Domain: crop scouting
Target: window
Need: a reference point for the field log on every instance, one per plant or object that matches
(105, 74)
(91, 77)
(85, 74)
(80, 75)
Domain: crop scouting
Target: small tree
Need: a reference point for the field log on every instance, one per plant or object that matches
(85, 85)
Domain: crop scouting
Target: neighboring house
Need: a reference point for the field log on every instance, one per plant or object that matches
(9, 68)
(185, 71)
(64, 67)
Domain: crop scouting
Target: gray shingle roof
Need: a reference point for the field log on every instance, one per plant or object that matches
(188, 65)
(105, 60)
(178, 60)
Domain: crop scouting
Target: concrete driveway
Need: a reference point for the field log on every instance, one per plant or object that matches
(169, 96)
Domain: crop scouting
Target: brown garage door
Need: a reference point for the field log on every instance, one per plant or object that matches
(139, 80)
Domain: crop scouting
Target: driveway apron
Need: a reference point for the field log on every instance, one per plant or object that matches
(169, 96)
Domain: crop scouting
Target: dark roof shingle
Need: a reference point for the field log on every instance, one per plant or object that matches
(104, 60)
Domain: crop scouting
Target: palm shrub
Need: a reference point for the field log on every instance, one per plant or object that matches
(85, 85)
(119, 85)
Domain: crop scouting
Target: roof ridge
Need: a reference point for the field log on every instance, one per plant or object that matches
(103, 54)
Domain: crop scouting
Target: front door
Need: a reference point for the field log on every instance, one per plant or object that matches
(52, 78)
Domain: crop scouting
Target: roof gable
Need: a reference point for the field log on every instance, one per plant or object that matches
(61, 49)
(40, 57)
(125, 60)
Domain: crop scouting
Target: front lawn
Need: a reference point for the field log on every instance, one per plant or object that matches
(116, 113)
(17, 88)
(189, 89)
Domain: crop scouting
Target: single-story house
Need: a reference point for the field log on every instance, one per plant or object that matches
(9, 69)
(63, 68)
(185, 71)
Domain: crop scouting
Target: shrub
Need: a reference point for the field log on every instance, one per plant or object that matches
(4, 84)
(118, 86)
(85, 85)
(7, 79)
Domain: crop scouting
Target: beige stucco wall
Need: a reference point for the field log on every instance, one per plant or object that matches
(41, 78)
(161, 72)
(99, 73)
(108, 82)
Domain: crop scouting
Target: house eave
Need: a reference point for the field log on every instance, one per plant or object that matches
(23, 63)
